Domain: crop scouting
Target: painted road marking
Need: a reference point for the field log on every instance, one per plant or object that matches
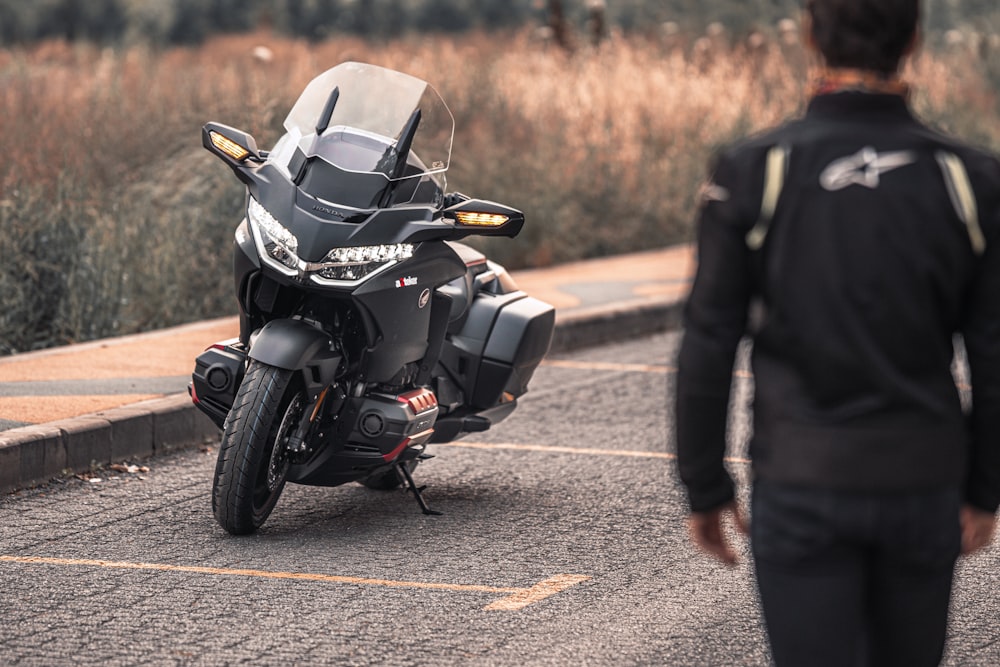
(517, 598)
(539, 591)
(628, 368)
(581, 451)
(607, 366)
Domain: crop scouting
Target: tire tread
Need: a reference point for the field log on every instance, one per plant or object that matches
(244, 446)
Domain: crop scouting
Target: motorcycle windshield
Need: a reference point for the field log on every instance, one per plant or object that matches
(365, 132)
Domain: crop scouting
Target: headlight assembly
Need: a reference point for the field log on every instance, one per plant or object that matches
(341, 266)
(277, 245)
(352, 264)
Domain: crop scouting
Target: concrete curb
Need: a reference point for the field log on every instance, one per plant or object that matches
(606, 324)
(33, 455)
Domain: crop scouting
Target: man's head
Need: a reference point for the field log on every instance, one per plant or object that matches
(873, 35)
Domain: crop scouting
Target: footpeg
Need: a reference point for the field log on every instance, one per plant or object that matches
(476, 423)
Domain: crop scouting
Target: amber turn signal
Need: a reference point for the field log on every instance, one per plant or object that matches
(481, 219)
(229, 147)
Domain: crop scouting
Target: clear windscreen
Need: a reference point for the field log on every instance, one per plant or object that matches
(371, 114)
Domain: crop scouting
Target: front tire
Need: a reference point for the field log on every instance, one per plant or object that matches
(253, 460)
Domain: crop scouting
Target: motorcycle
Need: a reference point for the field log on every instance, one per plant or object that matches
(367, 330)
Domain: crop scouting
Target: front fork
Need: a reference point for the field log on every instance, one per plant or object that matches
(318, 416)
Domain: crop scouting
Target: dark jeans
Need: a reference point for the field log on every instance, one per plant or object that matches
(854, 578)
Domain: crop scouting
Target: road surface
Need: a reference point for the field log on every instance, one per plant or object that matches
(562, 543)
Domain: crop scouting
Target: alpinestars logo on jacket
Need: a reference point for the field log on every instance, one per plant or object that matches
(864, 168)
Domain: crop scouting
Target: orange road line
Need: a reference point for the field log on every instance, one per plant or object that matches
(539, 591)
(518, 598)
(264, 574)
(646, 368)
(582, 451)
(611, 366)
(608, 366)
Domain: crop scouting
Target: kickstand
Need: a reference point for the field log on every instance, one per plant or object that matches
(417, 491)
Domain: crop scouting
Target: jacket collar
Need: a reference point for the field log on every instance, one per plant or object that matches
(859, 104)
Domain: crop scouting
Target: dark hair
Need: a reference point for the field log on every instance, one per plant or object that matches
(864, 34)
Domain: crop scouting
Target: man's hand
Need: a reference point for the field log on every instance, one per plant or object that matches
(707, 531)
(977, 528)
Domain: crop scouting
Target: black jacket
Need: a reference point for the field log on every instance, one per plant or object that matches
(871, 264)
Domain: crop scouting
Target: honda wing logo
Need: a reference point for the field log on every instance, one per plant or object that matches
(864, 168)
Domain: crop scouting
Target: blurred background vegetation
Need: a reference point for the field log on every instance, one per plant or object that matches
(193, 21)
(596, 119)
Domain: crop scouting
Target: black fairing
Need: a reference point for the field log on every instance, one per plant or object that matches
(397, 302)
(365, 191)
(393, 305)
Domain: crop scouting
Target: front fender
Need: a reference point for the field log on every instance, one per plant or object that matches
(295, 345)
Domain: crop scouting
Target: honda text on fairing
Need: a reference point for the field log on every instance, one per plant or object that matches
(366, 330)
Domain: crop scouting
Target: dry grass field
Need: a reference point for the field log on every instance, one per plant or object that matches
(113, 220)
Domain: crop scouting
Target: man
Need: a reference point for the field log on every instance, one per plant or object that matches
(866, 242)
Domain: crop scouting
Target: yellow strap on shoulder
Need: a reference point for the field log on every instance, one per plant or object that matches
(956, 178)
(774, 181)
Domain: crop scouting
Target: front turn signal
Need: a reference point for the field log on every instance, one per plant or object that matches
(229, 147)
(477, 219)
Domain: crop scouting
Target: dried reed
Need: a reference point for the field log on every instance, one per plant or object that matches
(112, 219)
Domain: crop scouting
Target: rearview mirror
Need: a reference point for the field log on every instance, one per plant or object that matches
(234, 146)
(478, 217)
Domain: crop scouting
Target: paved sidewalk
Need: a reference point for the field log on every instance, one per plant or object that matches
(72, 408)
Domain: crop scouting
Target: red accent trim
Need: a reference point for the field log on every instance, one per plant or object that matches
(194, 394)
(419, 401)
(391, 456)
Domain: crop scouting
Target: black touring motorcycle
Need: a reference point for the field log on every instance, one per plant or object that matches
(366, 330)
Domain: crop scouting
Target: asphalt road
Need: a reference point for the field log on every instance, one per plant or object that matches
(562, 543)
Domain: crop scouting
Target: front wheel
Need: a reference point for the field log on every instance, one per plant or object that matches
(253, 457)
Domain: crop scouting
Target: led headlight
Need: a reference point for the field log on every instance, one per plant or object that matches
(279, 248)
(351, 264)
(276, 244)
